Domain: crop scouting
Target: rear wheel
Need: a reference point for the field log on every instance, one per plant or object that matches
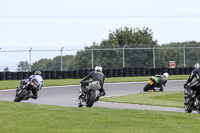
(90, 98)
(147, 87)
(21, 96)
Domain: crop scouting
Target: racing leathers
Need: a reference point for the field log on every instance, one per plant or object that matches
(38, 83)
(95, 76)
(193, 82)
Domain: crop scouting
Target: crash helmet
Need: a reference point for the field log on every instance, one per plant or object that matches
(165, 75)
(98, 69)
(37, 73)
(197, 65)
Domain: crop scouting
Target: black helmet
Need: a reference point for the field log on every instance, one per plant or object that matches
(37, 73)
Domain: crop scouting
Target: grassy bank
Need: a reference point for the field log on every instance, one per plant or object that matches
(23, 118)
(168, 99)
(12, 84)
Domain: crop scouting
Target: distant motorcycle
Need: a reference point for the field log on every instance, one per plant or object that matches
(153, 82)
(23, 91)
(90, 94)
(191, 103)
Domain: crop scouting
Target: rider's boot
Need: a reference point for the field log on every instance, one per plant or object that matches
(100, 95)
(32, 96)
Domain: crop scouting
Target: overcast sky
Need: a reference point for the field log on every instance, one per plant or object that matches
(73, 24)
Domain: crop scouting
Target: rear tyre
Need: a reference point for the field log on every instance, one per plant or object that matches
(21, 96)
(90, 98)
(147, 87)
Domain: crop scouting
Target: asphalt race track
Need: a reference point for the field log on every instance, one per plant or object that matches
(68, 95)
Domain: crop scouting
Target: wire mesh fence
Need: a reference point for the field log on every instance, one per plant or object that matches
(114, 58)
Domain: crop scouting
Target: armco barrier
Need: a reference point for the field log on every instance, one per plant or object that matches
(76, 74)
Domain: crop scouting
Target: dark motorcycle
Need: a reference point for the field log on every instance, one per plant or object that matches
(153, 82)
(191, 103)
(23, 91)
(90, 94)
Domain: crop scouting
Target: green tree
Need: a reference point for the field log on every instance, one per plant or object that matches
(6, 69)
(23, 66)
(42, 64)
(53, 64)
(131, 38)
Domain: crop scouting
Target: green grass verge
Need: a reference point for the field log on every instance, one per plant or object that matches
(168, 99)
(12, 84)
(31, 118)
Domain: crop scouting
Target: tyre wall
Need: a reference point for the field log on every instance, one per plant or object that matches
(108, 72)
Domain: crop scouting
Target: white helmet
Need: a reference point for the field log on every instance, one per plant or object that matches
(165, 75)
(197, 65)
(98, 69)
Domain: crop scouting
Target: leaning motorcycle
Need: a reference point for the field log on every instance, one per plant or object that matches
(191, 103)
(153, 81)
(23, 91)
(88, 99)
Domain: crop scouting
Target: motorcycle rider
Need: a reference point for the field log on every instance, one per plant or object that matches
(38, 83)
(162, 80)
(194, 85)
(96, 75)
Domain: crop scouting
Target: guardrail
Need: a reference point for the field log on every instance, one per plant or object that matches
(76, 74)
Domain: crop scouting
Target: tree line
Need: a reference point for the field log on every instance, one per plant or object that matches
(122, 37)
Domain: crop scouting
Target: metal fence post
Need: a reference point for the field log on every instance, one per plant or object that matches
(154, 60)
(92, 59)
(30, 57)
(184, 55)
(124, 56)
(61, 68)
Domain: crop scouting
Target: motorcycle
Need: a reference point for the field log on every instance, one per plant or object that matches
(153, 82)
(191, 103)
(90, 94)
(23, 91)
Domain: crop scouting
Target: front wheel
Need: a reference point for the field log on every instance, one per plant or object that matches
(21, 96)
(90, 98)
(187, 106)
(147, 87)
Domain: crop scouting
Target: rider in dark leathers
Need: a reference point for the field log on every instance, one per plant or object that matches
(192, 84)
(96, 75)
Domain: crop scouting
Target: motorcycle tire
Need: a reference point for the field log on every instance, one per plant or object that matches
(161, 89)
(90, 98)
(187, 107)
(21, 96)
(147, 87)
